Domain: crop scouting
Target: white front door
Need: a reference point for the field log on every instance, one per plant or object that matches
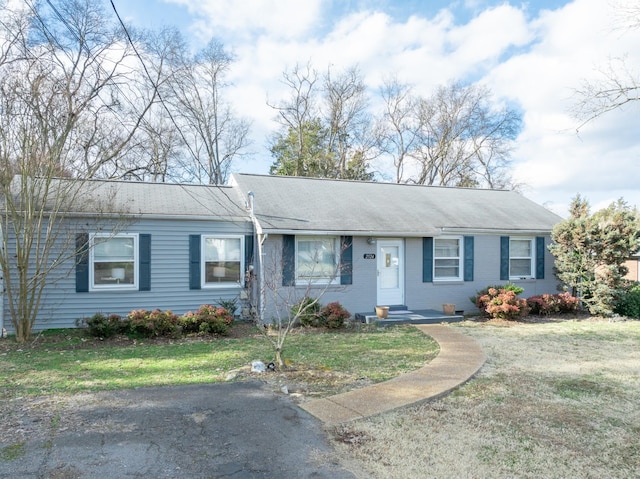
(390, 259)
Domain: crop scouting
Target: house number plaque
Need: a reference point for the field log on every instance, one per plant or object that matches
(369, 256)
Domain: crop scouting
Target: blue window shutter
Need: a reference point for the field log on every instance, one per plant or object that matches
(427, 260)
(288, 260)
(194, 262)
(540, 257)
(144, 262)
(82, 263)
(346, 260)
(504, 258)
(468, 258)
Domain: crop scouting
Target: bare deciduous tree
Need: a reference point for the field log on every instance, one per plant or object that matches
(325, 126)
(349, 141)
(398, 128)
(298, 119)
(617, 84)
(463, 139)
(213, 135)
(62, 88)
(616, 87)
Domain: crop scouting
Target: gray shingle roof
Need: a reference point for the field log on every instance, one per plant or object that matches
(289, 204)
(222, 203)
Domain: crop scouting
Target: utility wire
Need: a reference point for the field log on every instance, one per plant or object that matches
(157, 91)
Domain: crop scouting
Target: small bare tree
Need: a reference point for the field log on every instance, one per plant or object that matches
(287, 304)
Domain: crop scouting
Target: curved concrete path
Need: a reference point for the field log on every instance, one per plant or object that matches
(460, 358)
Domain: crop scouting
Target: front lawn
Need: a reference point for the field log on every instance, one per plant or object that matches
(556, 399)
(68, 362)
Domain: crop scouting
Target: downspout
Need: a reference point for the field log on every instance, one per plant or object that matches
(259, 259)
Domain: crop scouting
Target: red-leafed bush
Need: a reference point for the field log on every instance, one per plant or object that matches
(208, 319)
(333, 315)
(145, 324)
(546, 304)
(501, 303)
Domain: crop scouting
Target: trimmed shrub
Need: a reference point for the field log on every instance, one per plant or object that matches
(483, 292)
(145, 324)
(308, 311)
(502, 303)
(629, 304)
(208, 319)
(546, 304)
(333, 315)
(103, 326)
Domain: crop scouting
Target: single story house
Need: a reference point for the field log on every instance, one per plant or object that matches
(133, 245)
(366, 244)
(267, 240)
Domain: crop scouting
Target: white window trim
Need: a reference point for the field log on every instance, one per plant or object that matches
(203, 261)
(460, 258)
(136, 269)
(532, 242)
(320, 281)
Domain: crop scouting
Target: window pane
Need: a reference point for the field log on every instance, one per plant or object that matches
(446, 260)
(448, 247)
(520, 267)
(222, 272)
(520, 249)
(222, 260)
(447, 268)
(113, 272)
(113, 248)
(316, 259)
(222, 249)
(114, 261)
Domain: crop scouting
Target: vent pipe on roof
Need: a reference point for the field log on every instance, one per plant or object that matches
(250, 203)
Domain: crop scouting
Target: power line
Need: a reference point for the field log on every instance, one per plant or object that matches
(155, 86)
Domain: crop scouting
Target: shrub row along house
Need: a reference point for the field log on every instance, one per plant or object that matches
(263, 240)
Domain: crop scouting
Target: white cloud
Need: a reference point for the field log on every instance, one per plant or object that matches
(246, 18)
(553, 159)
(535, 60)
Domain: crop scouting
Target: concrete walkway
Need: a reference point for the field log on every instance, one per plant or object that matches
(459, 359)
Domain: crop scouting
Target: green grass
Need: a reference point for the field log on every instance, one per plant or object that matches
(68, 362)
(14, 451)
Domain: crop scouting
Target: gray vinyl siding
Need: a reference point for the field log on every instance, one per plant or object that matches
(62, 305)
(486, 272)
(360, 296)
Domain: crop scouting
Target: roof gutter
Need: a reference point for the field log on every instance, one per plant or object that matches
(409, 234)
(495, 231)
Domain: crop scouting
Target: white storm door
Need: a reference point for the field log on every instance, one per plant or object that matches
(390, 259)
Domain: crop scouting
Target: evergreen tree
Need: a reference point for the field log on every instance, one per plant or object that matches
(591, 249)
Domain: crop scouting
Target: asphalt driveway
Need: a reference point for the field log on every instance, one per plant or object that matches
(232, 430)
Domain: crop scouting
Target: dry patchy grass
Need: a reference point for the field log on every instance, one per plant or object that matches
(556, 399)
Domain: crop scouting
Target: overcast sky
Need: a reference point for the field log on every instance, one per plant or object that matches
(533, 54)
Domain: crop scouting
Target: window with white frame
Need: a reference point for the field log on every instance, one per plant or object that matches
(317, 259)
(222, 260)
(521, 257)
(447, 259)
(114, 260)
